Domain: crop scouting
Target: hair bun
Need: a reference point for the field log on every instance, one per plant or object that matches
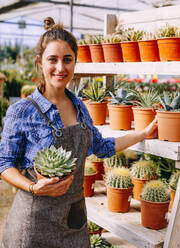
(48, 23)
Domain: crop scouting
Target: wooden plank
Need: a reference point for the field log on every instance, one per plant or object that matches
(125, 225)
(165, 68)
(154, 146)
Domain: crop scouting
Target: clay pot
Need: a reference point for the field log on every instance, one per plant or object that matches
(84, 55)
(112, 52)
(95, 232)
(130, 51)
(120, 116)
(154, 214)
(148, 50)
(119, 199)
(138, 187)
(99, 167)
(97, 111)
(89, 181)
(172, 195)
(168, 126)
(169, 49)
(97, 54)
(142, 118)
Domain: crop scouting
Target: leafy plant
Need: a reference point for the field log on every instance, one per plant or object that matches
(95, 92)
(52, 162)
(155, 191)
(170, 103)
(118, 160)
(119, 178)
(112, 38)
(144, 169)
(97, 241)
(93, 227)
(173, 181)
(4, 104)
(28, 89)
(121, 97)
(130, 34)
(167, 31)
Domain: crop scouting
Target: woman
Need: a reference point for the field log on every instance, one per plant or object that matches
(50, 213)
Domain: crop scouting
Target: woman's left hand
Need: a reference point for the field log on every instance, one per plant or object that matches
(152, 127)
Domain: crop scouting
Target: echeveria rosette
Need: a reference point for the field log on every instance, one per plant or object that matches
(52, 162)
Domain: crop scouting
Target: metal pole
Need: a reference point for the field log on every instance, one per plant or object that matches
(71, 15)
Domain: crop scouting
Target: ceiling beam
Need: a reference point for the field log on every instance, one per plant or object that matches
(16, 5)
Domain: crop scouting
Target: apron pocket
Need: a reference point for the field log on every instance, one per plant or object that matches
(76, 216)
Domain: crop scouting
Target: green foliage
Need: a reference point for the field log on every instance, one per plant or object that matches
(52, 162)
(89, 170)
(167, 31)
(94, 158)
(118, 160)
(9, 51)
(112, 38)
(97, 241)
(119, 178)
(173, 181)
(95, 92)
(95, 39)
(171, 103)
(28, 89)
(155, 191)
(130, 34)
(122, 97)
(4, 104)
(144, 169)
(93, 227)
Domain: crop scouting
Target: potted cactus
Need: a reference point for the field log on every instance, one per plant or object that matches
(154, 205)
(98, 165)
(96, 104)
(93, 228)
(52, 162)
(169, 117)
(120, 110)
(142, 171)
(95, 45)
(145, 110)
(169, 43)
(112, 48)
(97, 241)
(89, 179)
(84, 54)
(119, 189)
(173, 181)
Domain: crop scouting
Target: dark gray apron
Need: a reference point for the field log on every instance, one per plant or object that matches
(48, 222)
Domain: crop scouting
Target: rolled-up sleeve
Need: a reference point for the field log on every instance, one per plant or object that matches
(12, 140)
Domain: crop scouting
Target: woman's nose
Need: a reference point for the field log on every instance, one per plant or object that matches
(60, 66)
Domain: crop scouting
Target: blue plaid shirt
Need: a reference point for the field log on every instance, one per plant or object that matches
(26, 132)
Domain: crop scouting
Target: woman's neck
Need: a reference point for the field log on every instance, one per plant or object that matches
(55, 96)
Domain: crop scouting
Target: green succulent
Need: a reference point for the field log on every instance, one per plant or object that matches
(93, 227)
(167, 31)
(89, 170)
(121, 97)
(119, 178)
(170, 103)
(155, 191)
(144, 169)
(52, 162)
(94, 158)
(173, 181)
(95, 92)
(97, 241)
(112, 38)
(130, 34)
(28, 89)
(116, 161)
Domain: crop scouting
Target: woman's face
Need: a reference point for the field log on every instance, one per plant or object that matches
(57, 63)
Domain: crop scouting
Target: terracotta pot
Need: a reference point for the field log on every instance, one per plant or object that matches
(88, 184)
(169, 49)
(97, 54)
(138, 187)
(130, 51)
(172, 194)
(154, 214)
(23, 95)
(142, 118)
(112, 52)
(120, 116)
(148, 50)
(84, 55)
(119, 199)
(97, 111)
(99, 167)
(168, 126)
(96, 232)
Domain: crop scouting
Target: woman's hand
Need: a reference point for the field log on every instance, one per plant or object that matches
(151, 128)
(52, 187)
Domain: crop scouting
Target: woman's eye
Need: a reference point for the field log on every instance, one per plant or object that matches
(52, 59)
(67, 59)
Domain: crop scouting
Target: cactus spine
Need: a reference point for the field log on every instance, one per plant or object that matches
(144, 169)
(173, 181)
(118, 160)
(155, 191)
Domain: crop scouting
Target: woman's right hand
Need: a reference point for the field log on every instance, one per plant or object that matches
(52, 187)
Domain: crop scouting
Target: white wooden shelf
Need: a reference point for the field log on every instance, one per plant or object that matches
(154, 146)
(125, 225)
(165, 68)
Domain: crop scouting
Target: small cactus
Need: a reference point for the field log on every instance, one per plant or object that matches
(97, 241)
(155, 191)
(144, 169)
(119, 178)
(52, 162)
(94, 158)
(89, 170)
(117, 160)
(93, 227)
(173, 181)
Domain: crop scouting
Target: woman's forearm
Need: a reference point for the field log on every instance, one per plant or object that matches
(15, 178)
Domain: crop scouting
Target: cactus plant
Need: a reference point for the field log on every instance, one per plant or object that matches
(167, 31)
(173, 181)
(115, 161)
(144, 169)
(112, 38)
(155, 191)
(98, 242)
(95, 92)
(170, 103)
(93, 227)
(89, 170)
(94, 158)
(119, 178)
(121, 97)
(130, 34)
(52, 162)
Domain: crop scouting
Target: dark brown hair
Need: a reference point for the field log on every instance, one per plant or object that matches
(54, 32)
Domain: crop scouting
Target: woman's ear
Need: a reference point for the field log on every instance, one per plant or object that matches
(38, 59)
